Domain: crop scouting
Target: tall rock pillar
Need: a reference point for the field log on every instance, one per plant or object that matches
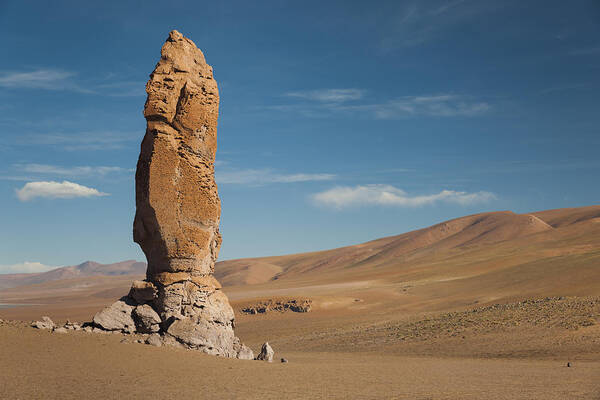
(177, 204)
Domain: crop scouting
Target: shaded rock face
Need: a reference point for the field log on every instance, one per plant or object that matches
(178, 211)
(146, 319)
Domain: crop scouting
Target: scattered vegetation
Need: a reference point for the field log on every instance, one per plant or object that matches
(550, 312)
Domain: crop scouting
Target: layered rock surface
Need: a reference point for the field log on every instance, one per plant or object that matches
(178, 211)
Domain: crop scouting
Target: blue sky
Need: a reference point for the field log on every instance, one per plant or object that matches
(340, 121)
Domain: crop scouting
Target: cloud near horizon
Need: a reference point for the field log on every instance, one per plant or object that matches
(56, 190)
(386, 195)
(25, 268)
(266, 176)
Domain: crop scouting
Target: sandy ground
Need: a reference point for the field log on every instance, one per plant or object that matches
(341, 349)
(42, 365)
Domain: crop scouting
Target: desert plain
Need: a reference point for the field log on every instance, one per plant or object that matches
(489, 306)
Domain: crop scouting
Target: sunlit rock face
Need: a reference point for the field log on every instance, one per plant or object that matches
(177, 203)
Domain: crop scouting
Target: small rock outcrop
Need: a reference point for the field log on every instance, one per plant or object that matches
(178, 212)
(44, 323)
(266, 353)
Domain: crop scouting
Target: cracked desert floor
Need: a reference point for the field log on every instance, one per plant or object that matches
(492, 306)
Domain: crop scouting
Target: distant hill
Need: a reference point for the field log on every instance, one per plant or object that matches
(477, 243)
(86, 269)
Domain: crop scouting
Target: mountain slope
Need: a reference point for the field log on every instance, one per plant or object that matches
(490, 240)
(86, 269)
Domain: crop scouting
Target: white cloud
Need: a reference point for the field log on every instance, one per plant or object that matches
(56, 190)
(25, 268)
(329, 95)
(387, 195)
(266, 176)
(69, 171)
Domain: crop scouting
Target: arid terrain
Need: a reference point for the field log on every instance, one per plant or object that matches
(489, 306)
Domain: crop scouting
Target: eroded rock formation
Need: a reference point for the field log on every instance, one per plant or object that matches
(178, 211)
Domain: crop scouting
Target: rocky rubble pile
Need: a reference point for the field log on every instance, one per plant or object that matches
(123, 318)
(295, 305)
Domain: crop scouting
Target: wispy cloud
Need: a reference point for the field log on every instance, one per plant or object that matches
(26, 267)
(328, 95)
(563, 88)
(56, 190)
(436, 105)
(532, 167)
(586, 51)
(69, 171)
(442, 105)
(50, 79)
(386, 195)
(81, 140)
(58, 79)
(419, 22)
(266, 176)
(446, 7)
